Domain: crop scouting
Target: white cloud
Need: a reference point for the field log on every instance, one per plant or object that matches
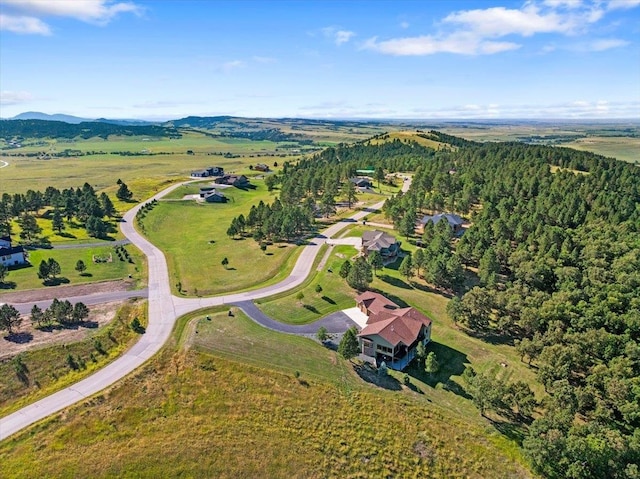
(491, 30)
(338, 36)
(459, 43)
(14, 97)
(622, 4)
(606, 44)
(500, 21)
(579, 109)
(563, 3)
(404, 25)
(24, 25)
(92, 11)
(26, 16)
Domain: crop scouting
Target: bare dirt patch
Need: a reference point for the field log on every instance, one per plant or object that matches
(99, 315)
(33, 295)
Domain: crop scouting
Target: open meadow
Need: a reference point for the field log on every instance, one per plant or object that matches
(194, 238)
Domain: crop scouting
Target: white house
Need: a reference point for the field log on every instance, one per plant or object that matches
(11, 255)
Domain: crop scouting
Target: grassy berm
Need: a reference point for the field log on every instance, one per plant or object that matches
(202, 412)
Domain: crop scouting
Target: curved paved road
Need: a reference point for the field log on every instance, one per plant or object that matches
(164, 309)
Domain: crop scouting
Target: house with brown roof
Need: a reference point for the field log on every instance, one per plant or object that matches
(388, 246)
(391, 334)
(239, 181)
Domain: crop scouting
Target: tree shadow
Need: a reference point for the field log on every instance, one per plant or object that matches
(396, 299)
(491, 337)
(392, 280)
(370, 375)
(452, 363)
(86, 275)
(514, 431)
(64, 234)
(19, 338)
(328, 300)
(429, 289)
(311, 308)
(8, 285)
(89, 324)
(56, 281)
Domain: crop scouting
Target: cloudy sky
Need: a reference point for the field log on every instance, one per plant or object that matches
(339, 59)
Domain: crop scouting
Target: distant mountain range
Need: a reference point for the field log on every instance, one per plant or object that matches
(74, 120)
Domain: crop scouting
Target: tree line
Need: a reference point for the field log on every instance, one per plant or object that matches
(83, 204)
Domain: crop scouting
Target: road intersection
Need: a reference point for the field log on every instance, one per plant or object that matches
(164, 310)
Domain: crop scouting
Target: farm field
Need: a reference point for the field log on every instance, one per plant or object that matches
(618, 140)
(27, 277)
(194, 238)
(211, 396)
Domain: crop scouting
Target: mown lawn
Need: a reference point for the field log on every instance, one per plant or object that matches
(335, 295)
(232, 406)
(27, 277)
(454, 348)
(47, 370)
(194, 239)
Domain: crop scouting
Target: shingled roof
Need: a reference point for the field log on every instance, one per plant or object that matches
(392, 323)
(376, 240)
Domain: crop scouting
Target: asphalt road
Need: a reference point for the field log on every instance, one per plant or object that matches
(164, 309)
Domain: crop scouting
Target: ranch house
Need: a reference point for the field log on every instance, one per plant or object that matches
(391, 334)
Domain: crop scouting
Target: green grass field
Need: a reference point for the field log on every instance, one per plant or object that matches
(47, 369)
(235, 392)
(333, 297)
(27, 277)
(194, 239)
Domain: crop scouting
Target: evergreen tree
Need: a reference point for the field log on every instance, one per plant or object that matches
(9, 318)
(431, 365)
(489, 268)
(53, 267)
(4, 271)
(123, 193)
(349, 347)
(406, 268)
(345, 268)
(375, 260)
(360, 274)
(37, 315)
(56, 221)
(43, 270)
(107, 205)
(349, 192)
(81, 267)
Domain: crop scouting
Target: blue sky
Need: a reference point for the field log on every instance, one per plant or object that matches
(337, 59)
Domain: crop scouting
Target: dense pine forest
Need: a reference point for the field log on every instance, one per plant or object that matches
(555, 242)
(10, 129)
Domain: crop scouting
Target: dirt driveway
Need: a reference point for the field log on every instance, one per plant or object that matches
(34, 295)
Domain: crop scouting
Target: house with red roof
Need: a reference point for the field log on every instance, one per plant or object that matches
(391, 334)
